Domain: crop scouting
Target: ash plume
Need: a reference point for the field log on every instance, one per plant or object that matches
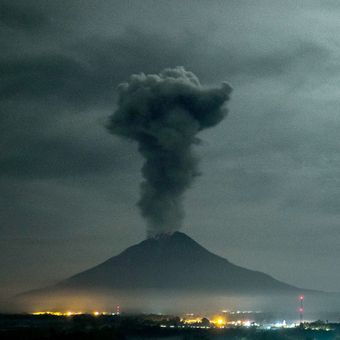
(163, 113)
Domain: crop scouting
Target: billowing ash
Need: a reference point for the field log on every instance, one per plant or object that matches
(164, 113)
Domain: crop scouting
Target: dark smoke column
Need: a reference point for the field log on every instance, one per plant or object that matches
(164, 113)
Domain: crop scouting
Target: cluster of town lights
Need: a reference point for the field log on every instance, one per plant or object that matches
(198, 322)
(218, 322)
(69, 313)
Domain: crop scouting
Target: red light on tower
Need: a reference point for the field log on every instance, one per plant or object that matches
(301, 309)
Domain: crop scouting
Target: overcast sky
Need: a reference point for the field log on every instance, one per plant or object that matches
(269, 195)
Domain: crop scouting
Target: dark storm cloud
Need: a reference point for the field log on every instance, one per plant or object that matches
(40, 77)
(90, 69)
(54, 157)
(83, 76)
(21, 16)
(164, 113)
(39, 90)
(87, 71)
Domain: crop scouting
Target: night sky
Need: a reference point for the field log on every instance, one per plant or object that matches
(269, 194)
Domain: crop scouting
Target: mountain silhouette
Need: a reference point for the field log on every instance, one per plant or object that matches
(170, 273)
(173, 262)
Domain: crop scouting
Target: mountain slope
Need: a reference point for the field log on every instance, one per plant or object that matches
(173, 262)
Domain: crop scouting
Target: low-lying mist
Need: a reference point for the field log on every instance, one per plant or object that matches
(317, 305)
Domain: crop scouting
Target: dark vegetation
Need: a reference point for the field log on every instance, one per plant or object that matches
(87, 327)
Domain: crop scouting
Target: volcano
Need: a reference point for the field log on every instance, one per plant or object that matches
(173, 262)
(171, 266)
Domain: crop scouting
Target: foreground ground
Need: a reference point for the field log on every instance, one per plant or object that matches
(86, 327)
